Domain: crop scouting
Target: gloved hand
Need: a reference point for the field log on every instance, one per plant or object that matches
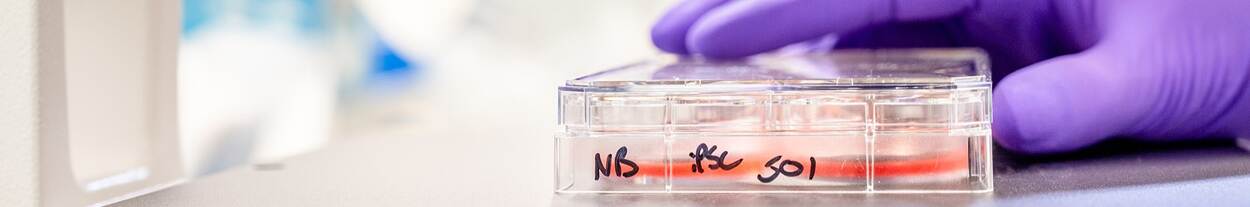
(1088, 69)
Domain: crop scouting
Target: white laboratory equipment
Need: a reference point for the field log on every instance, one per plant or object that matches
(88, 101)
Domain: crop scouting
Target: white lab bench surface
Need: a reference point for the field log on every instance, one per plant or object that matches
(492, 161)
(478, 131)
(478, 167)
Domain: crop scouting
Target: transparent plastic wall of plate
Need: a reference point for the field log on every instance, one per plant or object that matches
(849, 121)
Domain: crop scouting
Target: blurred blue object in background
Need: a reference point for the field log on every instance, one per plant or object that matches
(309, 16)
(260, 80)
(389, 70)
(195, 13)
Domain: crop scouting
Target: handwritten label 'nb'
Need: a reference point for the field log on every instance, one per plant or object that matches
(605, 167)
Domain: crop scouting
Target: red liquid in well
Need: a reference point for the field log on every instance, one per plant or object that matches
(826, 168)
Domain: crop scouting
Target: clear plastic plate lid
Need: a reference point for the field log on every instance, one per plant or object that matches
(843, 69)
(850, 121)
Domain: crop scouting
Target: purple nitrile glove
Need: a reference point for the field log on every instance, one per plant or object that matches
(1088, 69)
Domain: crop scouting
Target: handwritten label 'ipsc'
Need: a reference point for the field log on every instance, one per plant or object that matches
(703, 152)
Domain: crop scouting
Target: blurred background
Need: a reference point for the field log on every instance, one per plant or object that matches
(399, 102)
(263, 80)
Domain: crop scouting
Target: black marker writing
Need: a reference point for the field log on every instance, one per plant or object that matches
(789, 168)
(703, 152)
(605, 167)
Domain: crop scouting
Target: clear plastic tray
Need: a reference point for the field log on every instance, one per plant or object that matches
(855, 121)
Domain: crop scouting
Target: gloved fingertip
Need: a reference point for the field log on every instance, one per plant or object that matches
(744, 28)
(1007, 129)
(1004, 126)
(669, 38)
(1244, 143)
(727, 37)
(669, 33)
(716, 48)
(1034, 114)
